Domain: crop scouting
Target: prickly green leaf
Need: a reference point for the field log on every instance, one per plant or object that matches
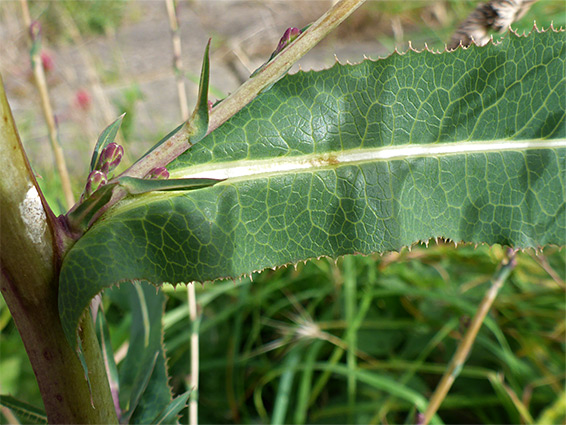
(170, 413)
(468, 145)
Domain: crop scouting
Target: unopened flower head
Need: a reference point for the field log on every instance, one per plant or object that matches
(110, 157)
(95, 179)
(159, 173)
(82, 99)
(288, 37)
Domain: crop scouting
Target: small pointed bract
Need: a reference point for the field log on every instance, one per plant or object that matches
(198, 122)
(106, 137)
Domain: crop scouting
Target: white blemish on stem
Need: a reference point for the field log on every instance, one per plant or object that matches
(33, 216)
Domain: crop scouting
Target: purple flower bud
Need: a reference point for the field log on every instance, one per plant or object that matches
(35, 30)
(95, 179)
(288, 37)
(159, 173)
(110, 157)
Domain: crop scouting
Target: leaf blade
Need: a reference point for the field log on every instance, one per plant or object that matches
(353, 195)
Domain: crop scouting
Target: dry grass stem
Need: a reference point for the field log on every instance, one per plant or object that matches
(191, 296)
(463, 350)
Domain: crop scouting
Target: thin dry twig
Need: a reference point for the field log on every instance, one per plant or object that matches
(495, 15)
(41, 83)
(457, 362)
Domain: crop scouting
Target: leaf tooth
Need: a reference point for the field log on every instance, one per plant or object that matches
(411, 47)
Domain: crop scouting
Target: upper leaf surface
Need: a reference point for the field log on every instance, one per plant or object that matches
(468, 145)
(510, 91)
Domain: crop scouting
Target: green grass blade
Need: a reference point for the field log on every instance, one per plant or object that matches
(286, 382)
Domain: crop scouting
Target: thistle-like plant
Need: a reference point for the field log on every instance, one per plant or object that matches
(467, 145)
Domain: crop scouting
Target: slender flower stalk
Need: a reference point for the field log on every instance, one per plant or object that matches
(177, 61)
(41, 83)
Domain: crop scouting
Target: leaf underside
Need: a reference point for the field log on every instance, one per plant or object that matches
(482, 186)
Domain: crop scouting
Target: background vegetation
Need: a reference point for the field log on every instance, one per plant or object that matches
(283, 347)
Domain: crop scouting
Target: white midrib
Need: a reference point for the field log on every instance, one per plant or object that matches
(247, 169)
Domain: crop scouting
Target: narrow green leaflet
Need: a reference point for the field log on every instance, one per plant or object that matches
(144, 390)
(25, 412)
(103, 334)
(136, 186)
(468, 145)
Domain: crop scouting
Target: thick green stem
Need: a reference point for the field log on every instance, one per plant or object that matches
(30, 259)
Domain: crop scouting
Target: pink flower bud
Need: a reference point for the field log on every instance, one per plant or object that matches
(94, 181)
(47, 62)
(82, 99)
(159, 173)
(288, 37)
(110, 157)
